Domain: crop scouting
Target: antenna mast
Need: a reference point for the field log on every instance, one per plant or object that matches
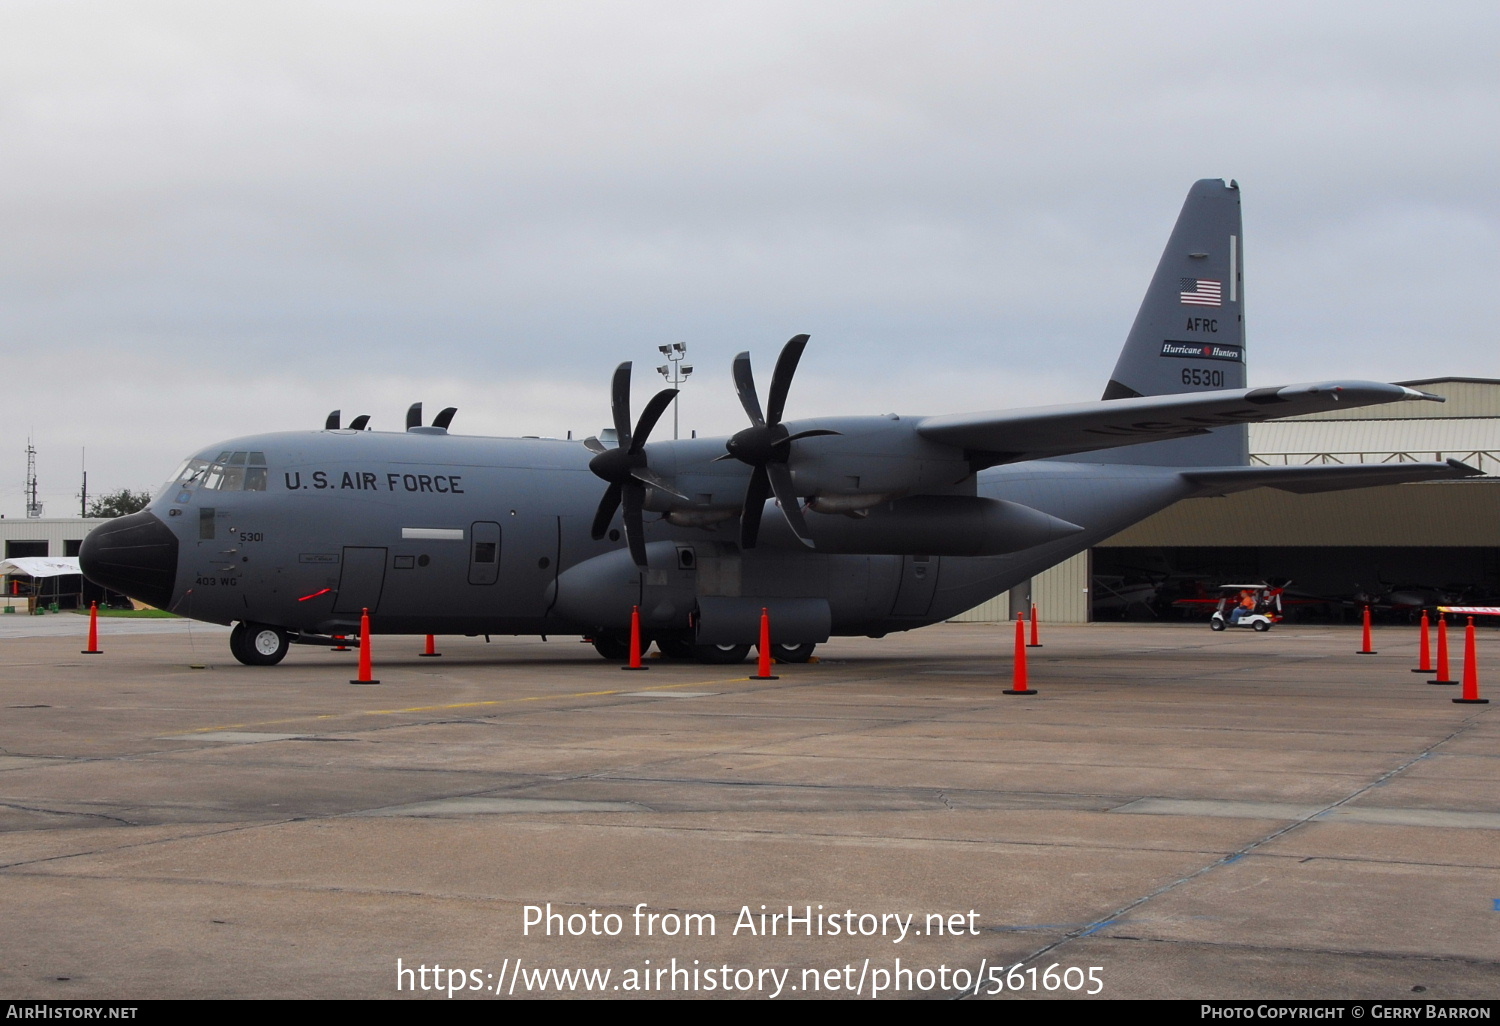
(33, 506)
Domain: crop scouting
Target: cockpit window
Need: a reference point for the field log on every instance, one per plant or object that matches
(255, 472)
(192, 471)
(230, 471)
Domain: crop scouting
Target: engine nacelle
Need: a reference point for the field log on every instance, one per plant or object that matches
(867, 461)
(934, 525)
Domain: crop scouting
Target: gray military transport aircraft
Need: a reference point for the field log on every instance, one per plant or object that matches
(837, 525)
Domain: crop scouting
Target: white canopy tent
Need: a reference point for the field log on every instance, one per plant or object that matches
(40, 566)
(39, 569)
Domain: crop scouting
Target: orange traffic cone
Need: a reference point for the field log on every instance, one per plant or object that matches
(93, 648)
(635, 640)
(1367, 648)
(1018, 671)
(431, 651)
(1036, 637)
(1424, 655)
(763, 668)
(1444, 676)
(1471, 670)
(365, 668)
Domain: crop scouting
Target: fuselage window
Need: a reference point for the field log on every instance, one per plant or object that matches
(485, 552)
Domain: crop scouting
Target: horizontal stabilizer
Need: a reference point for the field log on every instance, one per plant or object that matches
(1010, 436)
(1324, 477)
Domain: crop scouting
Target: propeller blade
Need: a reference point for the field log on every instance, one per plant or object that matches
(656, 481)
(619, 403)
(413, 416)
(359, 423)
(744, 383)
(593, 445)
(442, 420)
(781, 483)
(332, 423)
(781, 377)
(652, 413)
(606, 511)
(755, 502)
(635, 527)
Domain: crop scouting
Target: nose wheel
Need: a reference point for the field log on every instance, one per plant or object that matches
(258, 644)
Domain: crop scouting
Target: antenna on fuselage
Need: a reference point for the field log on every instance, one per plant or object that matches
(332, 423)
(359, 423)
(413, 416)
(443, 419)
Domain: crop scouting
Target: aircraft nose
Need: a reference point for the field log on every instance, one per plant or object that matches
(136, 555)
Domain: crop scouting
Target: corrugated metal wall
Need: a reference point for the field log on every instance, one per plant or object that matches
(56, 532)
(1061, 596)
(1466, 397)
(1424, 439)
(1465, 513)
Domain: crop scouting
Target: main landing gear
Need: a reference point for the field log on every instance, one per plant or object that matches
(617, 647)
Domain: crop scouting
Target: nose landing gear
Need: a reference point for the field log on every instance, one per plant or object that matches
(258, 644)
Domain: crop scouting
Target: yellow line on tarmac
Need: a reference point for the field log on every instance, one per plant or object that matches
(455, 705)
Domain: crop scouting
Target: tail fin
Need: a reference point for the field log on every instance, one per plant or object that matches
(1189, 335)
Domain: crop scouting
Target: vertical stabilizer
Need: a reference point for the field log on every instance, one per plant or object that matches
(1189, 335)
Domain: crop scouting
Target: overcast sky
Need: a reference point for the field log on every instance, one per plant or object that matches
(224, 218)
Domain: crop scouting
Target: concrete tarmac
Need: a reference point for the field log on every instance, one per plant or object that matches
(1176, 814)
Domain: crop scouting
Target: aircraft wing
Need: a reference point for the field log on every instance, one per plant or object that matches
(1010, 436)
(1324, 477)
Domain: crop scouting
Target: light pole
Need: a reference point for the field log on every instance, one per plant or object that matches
(675, 371)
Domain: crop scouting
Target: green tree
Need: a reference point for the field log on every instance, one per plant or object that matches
(119, 504)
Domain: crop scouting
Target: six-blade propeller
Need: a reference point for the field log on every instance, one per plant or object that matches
(625, 467)
(766, 445)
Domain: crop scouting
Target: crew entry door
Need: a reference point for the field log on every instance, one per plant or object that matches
(362, 579)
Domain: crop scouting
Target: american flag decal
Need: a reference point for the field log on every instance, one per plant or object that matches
(1201, 292)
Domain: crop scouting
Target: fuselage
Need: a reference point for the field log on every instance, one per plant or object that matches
(448, 534)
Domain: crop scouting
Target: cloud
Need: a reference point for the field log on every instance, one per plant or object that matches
(272, 203)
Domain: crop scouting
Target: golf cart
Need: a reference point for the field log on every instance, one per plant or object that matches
(1256, 606)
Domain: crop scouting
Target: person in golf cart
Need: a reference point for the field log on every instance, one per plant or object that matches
(1257, 606)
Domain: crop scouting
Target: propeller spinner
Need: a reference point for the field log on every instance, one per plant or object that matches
(766, 445)
(625, 467)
